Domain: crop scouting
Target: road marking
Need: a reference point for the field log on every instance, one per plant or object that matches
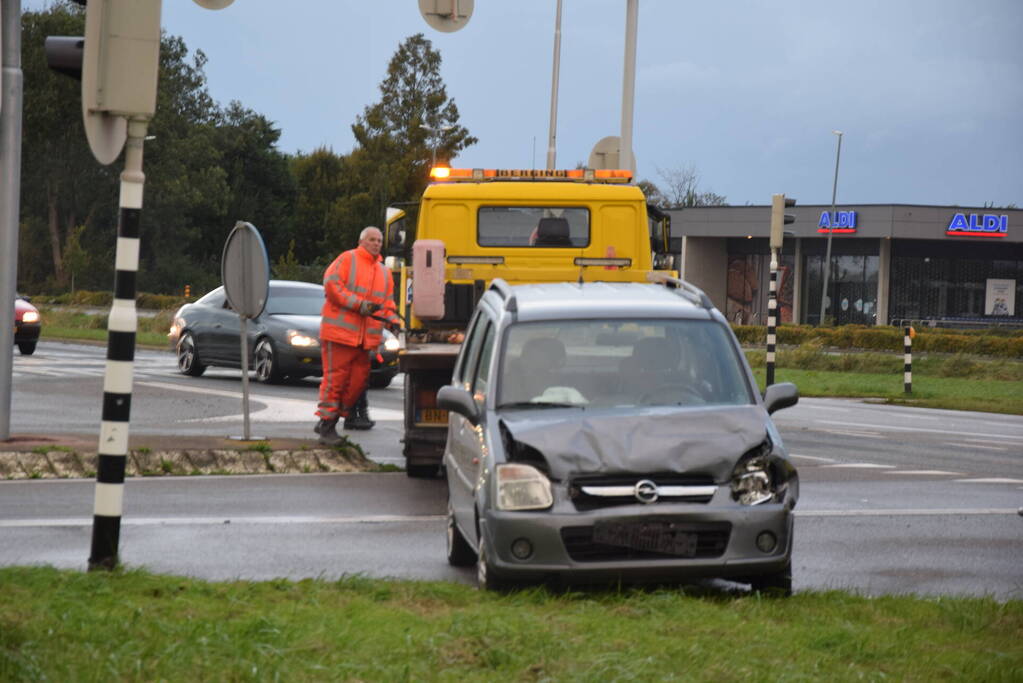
(274, 410)
(937, 473)
(859, 466)
(865, 435)
(909, 512)
(977, 445)
(901, 428)
(222, 521)
(811, 457)
(990, 480)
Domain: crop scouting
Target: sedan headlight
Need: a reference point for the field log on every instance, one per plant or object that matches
(522, 487)
(30, 317)
(296, 338)
(752, 483)
(391, 342)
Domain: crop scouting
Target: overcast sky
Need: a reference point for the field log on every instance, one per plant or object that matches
(929, 93)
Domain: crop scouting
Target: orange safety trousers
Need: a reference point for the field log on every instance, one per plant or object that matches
(345, 374)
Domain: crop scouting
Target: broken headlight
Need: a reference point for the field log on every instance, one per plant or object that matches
(752, 480)
(522, 487)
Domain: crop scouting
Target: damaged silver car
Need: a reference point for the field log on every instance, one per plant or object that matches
(613, 432)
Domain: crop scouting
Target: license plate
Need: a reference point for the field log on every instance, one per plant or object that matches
(433, 416)
(658, 537)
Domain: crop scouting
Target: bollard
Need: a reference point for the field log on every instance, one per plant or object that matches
(907, 341)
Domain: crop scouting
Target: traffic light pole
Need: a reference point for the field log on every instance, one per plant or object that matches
(122, 325)
(10, 191)
(772, 318)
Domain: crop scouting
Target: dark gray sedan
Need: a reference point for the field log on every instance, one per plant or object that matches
(606, 432)
(283, 342)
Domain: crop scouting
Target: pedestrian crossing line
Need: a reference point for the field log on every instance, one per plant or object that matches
(858, 466)
(925, 473)
(990, 480)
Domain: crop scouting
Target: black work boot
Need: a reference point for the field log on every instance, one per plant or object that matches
(328, 433)
(359, 416)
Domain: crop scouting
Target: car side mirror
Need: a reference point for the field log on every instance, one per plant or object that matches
(778, 396)
(459, 401)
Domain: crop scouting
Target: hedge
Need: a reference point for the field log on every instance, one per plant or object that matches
(1000, 343)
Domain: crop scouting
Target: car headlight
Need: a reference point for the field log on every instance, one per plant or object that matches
(752, 483)
(522, 487)
(391, 344)
(30, 317)
(296, 338)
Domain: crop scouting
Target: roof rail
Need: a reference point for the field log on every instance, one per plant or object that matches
(682, 288)
(506, 292)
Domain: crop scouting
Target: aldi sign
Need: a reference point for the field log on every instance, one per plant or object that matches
(839, 221)
(982, 225)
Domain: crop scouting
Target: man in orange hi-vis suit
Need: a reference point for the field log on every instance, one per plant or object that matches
(359, 302)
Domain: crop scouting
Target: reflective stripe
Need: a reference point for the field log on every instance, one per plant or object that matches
(341, 321)
(354, 260)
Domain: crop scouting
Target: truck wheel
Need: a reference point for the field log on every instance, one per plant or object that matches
(422, 471)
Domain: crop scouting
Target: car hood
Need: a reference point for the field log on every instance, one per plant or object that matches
(706, 441)
(309, 324)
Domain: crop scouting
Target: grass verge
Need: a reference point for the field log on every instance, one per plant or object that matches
(61, 625)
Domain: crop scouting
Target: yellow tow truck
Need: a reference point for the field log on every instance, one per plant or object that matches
(524, 226)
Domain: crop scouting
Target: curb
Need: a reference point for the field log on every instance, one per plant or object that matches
(66, 463)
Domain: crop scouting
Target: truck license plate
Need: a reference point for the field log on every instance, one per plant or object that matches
(433, 416)
(658, 537)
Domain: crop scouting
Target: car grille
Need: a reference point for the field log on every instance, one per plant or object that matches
(595, 492)
(711, 541)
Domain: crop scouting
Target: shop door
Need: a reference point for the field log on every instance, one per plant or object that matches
(854, 303)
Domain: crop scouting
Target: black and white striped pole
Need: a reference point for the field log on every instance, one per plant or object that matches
(112, 452)
(907, 374)
(778, 220)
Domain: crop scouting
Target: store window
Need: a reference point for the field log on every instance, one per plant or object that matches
(852, 284)
(749, 283)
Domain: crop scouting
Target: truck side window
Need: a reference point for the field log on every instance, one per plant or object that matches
(479, 385)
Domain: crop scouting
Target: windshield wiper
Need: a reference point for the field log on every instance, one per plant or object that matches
(539, 404)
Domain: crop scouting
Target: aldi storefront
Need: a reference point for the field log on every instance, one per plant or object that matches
(890, 263)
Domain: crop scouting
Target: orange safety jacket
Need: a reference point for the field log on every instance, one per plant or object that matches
(356, 276)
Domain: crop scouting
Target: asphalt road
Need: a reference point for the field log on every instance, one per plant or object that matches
(893, 499)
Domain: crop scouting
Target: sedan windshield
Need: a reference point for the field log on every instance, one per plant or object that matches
(295, 301)
(607, 363)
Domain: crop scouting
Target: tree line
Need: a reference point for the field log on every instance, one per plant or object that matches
(208, 166)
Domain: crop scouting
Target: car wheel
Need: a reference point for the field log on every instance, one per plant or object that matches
(268, 370)
(776, 583)
(486, 580)
(460, 553)
(27, 348)
(188, 356)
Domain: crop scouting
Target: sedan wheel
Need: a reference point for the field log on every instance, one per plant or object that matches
(485, 578)
(267, 368)
(778, 583)
(460, 553)
(188, 357)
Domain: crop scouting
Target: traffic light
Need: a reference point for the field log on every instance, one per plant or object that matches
(118, 62)
(779, 218)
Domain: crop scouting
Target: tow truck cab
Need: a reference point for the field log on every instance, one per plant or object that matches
(530, 226)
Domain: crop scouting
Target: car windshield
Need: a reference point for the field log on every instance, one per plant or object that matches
(295, 301)
(608, 363)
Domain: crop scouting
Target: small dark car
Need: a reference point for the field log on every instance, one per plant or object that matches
(284, 341)
(606, 432)
(27, 325)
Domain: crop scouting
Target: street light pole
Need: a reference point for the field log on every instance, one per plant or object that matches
(435, 130)
(831, 229)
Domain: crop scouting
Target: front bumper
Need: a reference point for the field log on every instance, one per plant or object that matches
(26, 332)
(563, 546)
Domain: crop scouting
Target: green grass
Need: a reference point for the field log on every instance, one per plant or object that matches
(60, 625)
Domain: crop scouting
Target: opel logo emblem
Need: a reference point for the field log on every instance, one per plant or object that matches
(645, 491)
